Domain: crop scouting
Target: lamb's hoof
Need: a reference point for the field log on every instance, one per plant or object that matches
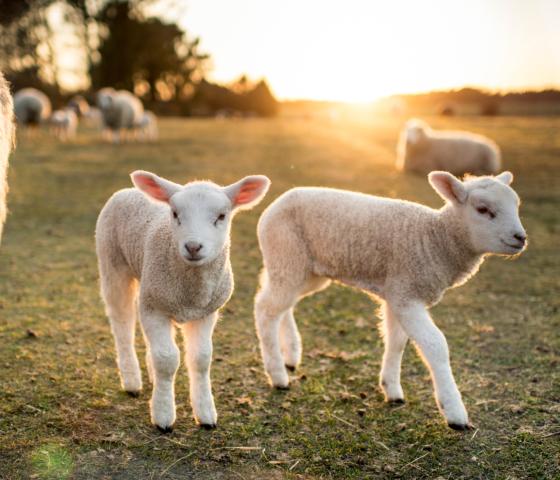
(133, 393)
(460, 426)
(291, 368)
(168, 429)
(208, 426)
(282, 388)
(396, 401)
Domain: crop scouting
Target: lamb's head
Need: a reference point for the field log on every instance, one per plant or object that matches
(489, 209)
(200, 213)
(416, 132)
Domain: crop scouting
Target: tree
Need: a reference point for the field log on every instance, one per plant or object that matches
(150, 55)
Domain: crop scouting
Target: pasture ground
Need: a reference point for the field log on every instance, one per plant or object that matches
(62, 414)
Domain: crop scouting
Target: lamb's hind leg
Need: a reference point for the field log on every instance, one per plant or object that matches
(290, 339)
(118, 290)
(395, 340)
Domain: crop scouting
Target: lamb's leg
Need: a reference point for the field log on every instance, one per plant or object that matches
(418, 325)
(198, 357)
(160, 333)
(395, 341)
(290, 340)
(270, 305)
(118, 290)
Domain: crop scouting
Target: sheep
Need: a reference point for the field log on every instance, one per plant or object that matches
(31, 107)
(404, 254)
(165, 247)
(421, 149)
(79, 104)
(122, 111)
(148, 127)
(64, 124)
(7, 136)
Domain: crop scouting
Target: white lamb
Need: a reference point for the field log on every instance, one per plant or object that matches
(148, 127)
(167, 246)
(421, 149)
(64, 124)
(7, 134)
(122, 112)
(402, 253)
(31, 107)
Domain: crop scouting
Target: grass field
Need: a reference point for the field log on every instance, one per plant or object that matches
(62, 414)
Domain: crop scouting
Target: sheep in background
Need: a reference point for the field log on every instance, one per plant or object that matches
(31, 107)
(93, 118)
(7, 135)
(421, 149)
(403, 253)
(64, 124)
(148, 127)
(79, 104)
(167, 246)
(122, 112)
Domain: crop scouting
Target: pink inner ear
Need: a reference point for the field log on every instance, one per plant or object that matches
(247, 193)
(151, 187)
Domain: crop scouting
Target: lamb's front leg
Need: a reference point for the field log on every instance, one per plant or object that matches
(198, 357)
(395, 340)
(418, 325)
(160, 336)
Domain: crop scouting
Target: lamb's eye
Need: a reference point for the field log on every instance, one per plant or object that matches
(485, 211)
(219, 218)
(174, 214)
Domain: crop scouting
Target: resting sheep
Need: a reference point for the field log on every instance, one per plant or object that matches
(31, 107)
(167, 245)
(403, 253)
(64, 124)
(7, 134)
(421, 150)
(122, 111)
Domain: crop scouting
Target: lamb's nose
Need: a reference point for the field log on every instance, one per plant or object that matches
(193, 247)
(520, 236)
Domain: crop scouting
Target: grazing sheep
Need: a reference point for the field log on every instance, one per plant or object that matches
(7, 134)
(122, 111)
(148, 127)
(403, 253)
(421, 150)
(167, 245)
(64, 124)
(79, 104)
(31, 107)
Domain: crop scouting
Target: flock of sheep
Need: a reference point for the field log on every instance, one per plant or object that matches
(163, 251)
(120, 114)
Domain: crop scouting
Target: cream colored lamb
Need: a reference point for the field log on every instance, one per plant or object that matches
(31, 107)
(402, 253)
(7, 133)
(421, 150)
(64, 124)
(166, 246)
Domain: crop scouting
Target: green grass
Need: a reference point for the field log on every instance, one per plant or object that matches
(62, 414)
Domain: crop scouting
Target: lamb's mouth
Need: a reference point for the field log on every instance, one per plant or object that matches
(515, 247)
(194, 259)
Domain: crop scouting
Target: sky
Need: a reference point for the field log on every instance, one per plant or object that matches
(360, 50)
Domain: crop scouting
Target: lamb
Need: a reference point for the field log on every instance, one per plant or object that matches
(64, 124)
(148, 127)
(421, 149)
(31, 107)
(404, 254)
(122, 111)
(167, 246)
(7, 135)
(79, 104)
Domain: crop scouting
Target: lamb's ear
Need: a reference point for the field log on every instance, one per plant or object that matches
(448, 187)
(248, 192)
(153, 186)
(505, 177)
